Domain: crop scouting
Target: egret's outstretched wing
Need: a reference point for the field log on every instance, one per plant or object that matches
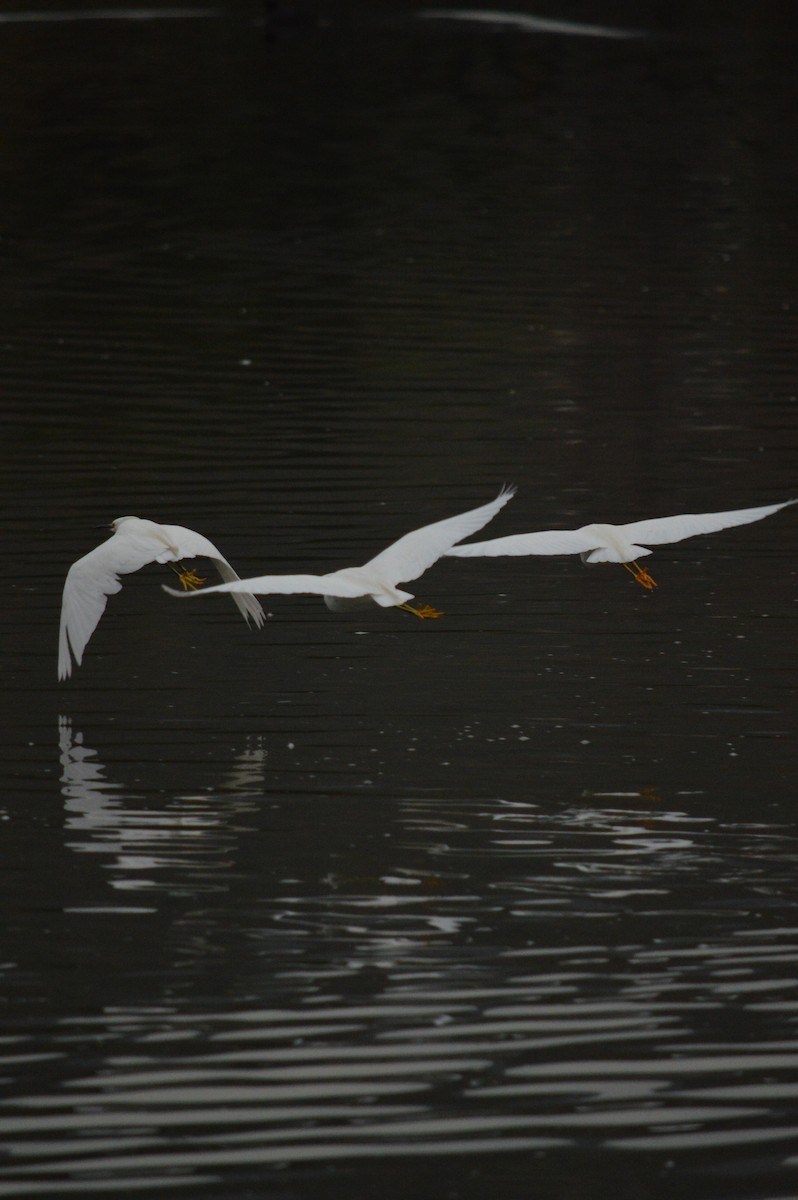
(661, 530)
(414, 553)
(89, 583)
(190, 544)
(545, 541)
(284, 585)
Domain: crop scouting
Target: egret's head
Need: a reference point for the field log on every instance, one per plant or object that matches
(118, 522)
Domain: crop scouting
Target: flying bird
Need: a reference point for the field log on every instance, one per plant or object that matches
(133, 544)
(616, 543)
(376, 580)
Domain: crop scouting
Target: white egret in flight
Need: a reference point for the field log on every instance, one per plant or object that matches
(616, 543)
(376, 580)
(134, 543)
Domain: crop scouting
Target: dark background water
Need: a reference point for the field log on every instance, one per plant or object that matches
(499, 904)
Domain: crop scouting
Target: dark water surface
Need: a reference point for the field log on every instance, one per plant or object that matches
(499, 905)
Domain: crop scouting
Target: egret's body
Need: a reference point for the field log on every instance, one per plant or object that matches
(378, 579)
(616, 543)
(96, 576)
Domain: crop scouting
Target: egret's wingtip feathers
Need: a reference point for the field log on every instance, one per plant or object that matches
(64, 657)
(174, 592)
(249, 609)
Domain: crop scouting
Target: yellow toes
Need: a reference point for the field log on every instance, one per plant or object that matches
(189, 579)
(425, 611)
(641, 575)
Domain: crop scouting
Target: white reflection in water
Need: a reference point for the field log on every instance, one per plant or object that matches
(429, 971)
(184, 841)
(526, 23)
(84, 788)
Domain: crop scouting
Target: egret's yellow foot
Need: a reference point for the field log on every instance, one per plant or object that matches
(190, 580)
(425, 611)
(641, 575)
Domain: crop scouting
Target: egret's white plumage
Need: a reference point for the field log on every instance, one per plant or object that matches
(95, 577)
(616, 543)
(376, 580)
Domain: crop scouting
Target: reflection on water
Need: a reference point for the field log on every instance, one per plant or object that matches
(525, 23)
(138, 13)
(440, 978)
(189, 836)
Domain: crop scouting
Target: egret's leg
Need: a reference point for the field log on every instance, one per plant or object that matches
(641, 575)
(425, 611)
(190, 580)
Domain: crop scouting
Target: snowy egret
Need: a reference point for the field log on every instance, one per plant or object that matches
(616, 543)
(134, 543)
(376, 580)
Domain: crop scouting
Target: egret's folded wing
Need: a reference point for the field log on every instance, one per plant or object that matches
(661, 530)
(193, 545)
(412, 554)
(286, 585)
(545, 541)
(89, 583)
